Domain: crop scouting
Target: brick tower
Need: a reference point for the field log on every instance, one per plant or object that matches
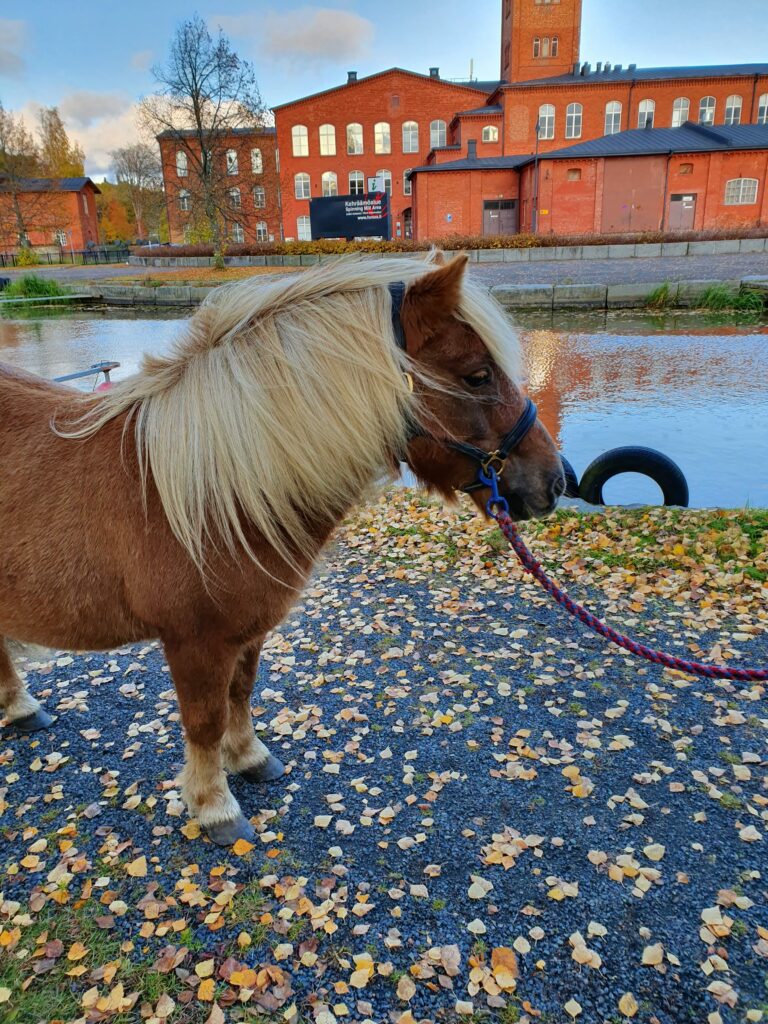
(539, 38)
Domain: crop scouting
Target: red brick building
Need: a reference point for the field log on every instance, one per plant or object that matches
(53, 211)
(246, 184)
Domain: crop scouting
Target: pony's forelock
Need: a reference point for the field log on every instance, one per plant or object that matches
(281, 402)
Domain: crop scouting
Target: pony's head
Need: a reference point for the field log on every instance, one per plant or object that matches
(465, 358)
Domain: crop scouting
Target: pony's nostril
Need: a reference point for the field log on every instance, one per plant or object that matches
(557, 486)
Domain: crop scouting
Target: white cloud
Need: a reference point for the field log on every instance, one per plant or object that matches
(11, 42)
(307, 35)
(142, 59)
(84, 108)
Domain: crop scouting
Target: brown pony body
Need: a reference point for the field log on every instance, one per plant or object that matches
(102, 540)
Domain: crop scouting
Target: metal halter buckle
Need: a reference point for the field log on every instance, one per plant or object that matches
(494, 463)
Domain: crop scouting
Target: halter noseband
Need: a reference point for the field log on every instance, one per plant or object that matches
(490, 464)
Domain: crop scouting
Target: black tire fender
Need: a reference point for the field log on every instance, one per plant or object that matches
(571, 480)
(634, 459)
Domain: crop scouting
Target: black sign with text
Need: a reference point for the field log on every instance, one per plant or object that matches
(350, 216)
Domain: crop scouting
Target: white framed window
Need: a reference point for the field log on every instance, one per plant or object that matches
(60, 236)
(733, 110)
(707, 106)
(181, 164)
(574, 116)
(184, 202)
(680, 110)
(382, 139)
(330, 183)
(262, 231)
(545, 46)
(410, 137)
(546, 121)
(231, 161)
(356, 183)
(646, 113)
(437, 134)
(85, 202)
(300, 140)
(762, 109)
(234, 198)
(259, 197)
(741, 192)
(303, 229)
(536, 46)
(354, 139)
(237, 234)
(386, 178)
(327, 133)
(301, 186)
(612, 117)
(257, 162)
(574, 174)
(555, 45)
(490, 133)
(407, 181)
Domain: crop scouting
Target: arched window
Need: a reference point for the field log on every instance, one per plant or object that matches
(257, 163)
(680, 110)
(545, 46)
(259, 197)
(262, 231)
(490, 133)
(555, 45)
(301, 186)
(300, 140)
(410, 137)
(234, 198)
(354, 139)
(237, 234)
(546, 121)
(733, 110)
(303, 229)
(437, 134)
(741, 192)
(612, 117)
(330, 184)
(231, 161)
(184, 202)
(327, 134)
(181, 164)
(646, 113)
(382, 139)
(707, 110)
(407, 181)
(386, 178)
(356, 183)
(762, 109)
(574, 116)
(536, 46)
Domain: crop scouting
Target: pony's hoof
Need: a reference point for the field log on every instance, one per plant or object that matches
(38, 720)
(271, 769)
(228, 832)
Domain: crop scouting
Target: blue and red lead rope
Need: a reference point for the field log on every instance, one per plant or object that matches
(531, 565)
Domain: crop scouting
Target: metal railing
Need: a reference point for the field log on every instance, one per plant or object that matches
(68, 256)
(95, 368)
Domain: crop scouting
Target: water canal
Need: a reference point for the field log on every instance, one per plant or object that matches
(693, 388)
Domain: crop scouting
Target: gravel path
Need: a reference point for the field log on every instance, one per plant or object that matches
(488, 810)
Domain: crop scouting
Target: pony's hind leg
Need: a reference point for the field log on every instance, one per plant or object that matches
(202, 676)
(244, 753)
(23, 712)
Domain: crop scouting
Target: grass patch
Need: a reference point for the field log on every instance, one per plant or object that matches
(30, 286)
(720, 297)
(660, 298)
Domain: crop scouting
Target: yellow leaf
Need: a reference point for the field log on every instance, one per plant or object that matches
(653, 955)
(77, 951)
(572, 1008)
(628, 1005)
(241, 847)
(206, 989)
(137, 868)
(5, 995)
(192, 831)
(504, 966)
(204, 969)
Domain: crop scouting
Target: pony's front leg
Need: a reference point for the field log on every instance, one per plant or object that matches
(23, 712)
(244, 753)
(202, 676)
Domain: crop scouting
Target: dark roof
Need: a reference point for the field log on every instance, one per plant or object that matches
(629, 74)
(190, 133)
(492, 108)
(484, 163)
(47, 185)
(486, 87)
(688, 138)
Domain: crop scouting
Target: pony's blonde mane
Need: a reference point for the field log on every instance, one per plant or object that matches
(281, 402)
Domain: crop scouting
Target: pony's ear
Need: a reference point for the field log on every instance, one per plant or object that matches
(437, 257)
(431, 300)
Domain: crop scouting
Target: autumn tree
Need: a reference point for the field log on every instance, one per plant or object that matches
(59, 157)
(205, 91)
(22, 210)
(140, 179)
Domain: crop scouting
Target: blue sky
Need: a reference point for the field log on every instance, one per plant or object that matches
(95, 65)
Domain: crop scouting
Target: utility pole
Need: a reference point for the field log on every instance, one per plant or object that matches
(535, 206)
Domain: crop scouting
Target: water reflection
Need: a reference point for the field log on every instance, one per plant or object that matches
(698, 393)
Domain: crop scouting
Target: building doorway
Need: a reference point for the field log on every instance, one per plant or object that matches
(500, 217)
(682, 212)
(408, 222)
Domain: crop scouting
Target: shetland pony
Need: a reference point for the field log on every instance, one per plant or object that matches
(190, 501)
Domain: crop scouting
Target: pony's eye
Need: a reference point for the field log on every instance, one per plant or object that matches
(478, 379)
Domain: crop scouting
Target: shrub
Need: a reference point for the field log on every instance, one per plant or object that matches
(30, 286)
(27, 257)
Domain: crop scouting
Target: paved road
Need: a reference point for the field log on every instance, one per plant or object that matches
(678, 268)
